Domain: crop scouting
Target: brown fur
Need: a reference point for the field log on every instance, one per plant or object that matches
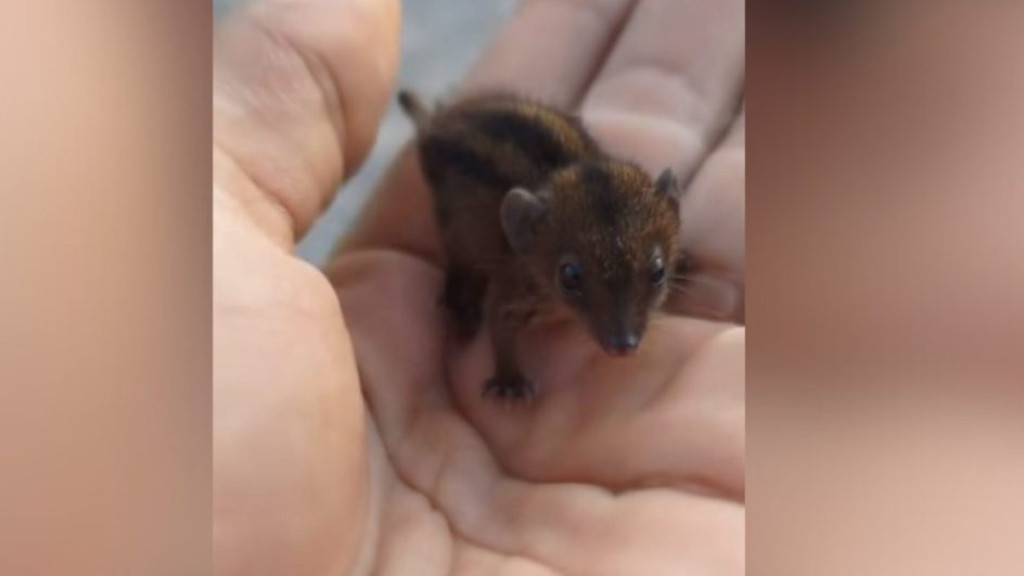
(576, 210)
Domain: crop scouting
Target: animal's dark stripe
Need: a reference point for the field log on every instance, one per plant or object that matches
(597, 182)
(441, 154)
(534, 140)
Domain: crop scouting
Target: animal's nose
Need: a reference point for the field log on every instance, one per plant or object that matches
(622, 344)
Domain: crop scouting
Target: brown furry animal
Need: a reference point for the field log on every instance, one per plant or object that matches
(528, 203)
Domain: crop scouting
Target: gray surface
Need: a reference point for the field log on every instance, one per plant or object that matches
(440, 41)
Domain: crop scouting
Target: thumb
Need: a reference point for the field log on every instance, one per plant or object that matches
(300, 87)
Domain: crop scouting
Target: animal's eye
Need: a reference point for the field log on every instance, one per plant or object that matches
(658, 271)
(571, 277)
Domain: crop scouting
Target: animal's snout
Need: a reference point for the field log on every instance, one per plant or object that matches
(621, 343)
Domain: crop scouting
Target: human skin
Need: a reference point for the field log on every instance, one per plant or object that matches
(350, 437)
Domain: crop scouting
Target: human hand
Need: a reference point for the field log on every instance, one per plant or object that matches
(299, 88)
(621, 466)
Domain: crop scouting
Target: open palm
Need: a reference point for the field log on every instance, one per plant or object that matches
(353, 438)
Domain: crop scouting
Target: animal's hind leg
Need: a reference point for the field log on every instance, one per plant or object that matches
(463, 297)
(508, 383)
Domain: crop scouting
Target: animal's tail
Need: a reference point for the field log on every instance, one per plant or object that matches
(413, 108)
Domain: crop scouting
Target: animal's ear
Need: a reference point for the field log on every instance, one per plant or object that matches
(667, 185)
(521, 211)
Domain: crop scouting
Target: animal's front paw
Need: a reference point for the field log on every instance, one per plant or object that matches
(510, 388)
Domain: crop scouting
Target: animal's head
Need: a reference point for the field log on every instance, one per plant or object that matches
(603, 237)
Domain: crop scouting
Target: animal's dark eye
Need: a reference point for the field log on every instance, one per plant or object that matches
(658, 271)
(571, 277)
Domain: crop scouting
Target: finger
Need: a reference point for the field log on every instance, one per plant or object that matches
(710, 295)
(551, 49)
(714, 221)
(299, 88)
(672, 83)
(714, 207)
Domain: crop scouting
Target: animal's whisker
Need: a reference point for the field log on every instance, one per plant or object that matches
(680, 287)
(658, 319)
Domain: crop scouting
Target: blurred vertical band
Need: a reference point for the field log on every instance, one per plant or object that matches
(885, 257)
(105, 329)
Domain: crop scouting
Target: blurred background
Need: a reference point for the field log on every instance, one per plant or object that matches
(440, 41)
